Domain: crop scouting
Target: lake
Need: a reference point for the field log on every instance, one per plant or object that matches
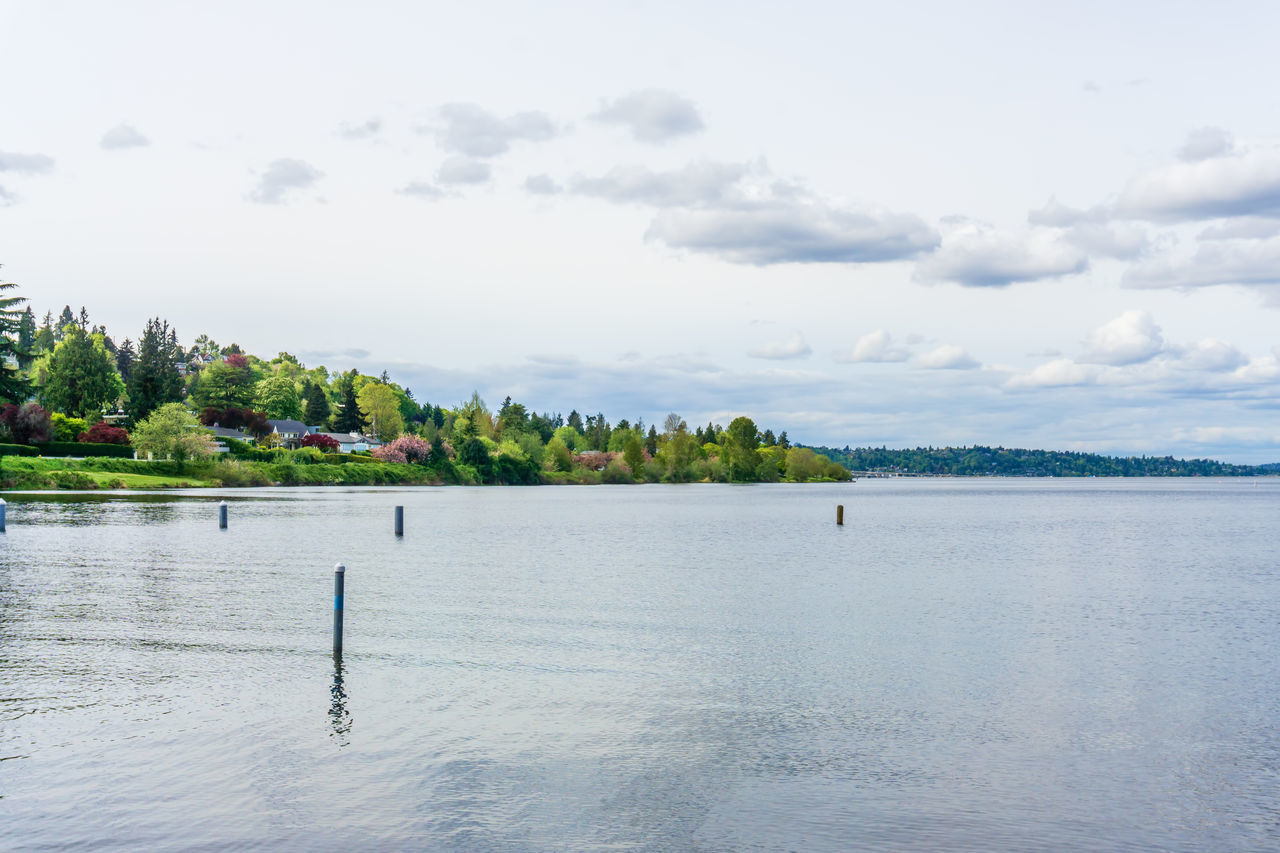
(965, 665)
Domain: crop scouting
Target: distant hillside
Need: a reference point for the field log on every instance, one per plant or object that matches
(980, 461)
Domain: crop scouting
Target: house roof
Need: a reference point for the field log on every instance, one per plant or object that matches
(288, 426)
(223, 432)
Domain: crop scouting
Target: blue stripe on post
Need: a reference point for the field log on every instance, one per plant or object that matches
(337, 602)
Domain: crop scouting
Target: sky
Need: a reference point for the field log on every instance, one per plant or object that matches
(867, 224)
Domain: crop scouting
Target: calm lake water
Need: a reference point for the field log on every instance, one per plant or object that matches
(966, 664)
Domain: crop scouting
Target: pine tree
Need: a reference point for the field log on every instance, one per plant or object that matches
(125, 358)
(154, 379)
(13, 386)
(26, 338)
(66, 318)
(348, 417)
(82, 379)
(317, 409)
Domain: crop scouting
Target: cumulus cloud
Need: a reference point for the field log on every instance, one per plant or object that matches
(699, 183)
(123, 136)
(363, 130)
(541, 185)
(25, 164)
(794, 347)
(874, 347)
(281, 178)
(1131, 338)
(1213, 356)
(1204, 143)
(462, 170)
(976, 256)
(1244, 184)
(1244, 228)
(1243, 262)
(1055, 214)
(807, 232)
(1060, 372)
(422, 190)
(1124, 241)
(653, 115)
(947, 357)
(743, 214)
(474, 131)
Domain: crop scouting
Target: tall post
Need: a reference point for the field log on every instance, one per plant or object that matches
(399, 521)
(339, 571)
(3, 507)
(839, 514)
(222, 516)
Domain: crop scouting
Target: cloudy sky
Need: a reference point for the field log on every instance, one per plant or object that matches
(891, 224)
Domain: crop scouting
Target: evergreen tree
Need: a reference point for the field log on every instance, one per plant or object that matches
(316, 404)
(83, 319)
(154, 379)
(125, 357)
(82, 380)
(26, 338)
(575, 420)
(348, 417)
(13, 386)
(651, 441)
(782, 440)
(66, 318)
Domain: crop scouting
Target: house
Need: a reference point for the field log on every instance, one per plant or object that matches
(290, 432)
(351, 441)
(220, 433)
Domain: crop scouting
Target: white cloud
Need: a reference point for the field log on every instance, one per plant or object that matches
(794, 347)
(874, 347)
(1205, 143)
(1243, 262)
(1131, 338)
(697, 184)
(25, 164)
(364, 130)
(541, 185)
(1246, 184)
(977, 256)
(1060, 372)
(653, 115)
(474, 131)
(463, 170)
(1212, 355)
(1057, 215)
(123, 136)
(1113, 240)
(1243, 228)
(423, 190)
(282, 177)
(947, 357)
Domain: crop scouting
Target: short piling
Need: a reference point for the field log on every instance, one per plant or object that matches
(222, 516)
(840, 514)
(339, 572)
(3, 507)
(399, 521)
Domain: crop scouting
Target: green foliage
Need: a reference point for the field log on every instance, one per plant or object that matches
(381, 409)
(633, 455)
(557, 456)
(65, 428)
(1011, 462)
(13, 385)
(224, 385)
(172, 431)
(153, 378)
(277, 398)
(82, 449)
(72, 480)
(18, 450)
(348, 417)
(81, 378)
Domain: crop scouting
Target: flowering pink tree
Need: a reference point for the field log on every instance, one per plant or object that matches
(406, 448)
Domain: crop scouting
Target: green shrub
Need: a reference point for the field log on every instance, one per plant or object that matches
(18, 450)
(83, 448)
(72, 480)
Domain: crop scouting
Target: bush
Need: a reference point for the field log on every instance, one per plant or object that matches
(18, 450)
(104, 433)
(77, 448)
(65, 428)
(26, 424)
(326, 443)
(72, 480)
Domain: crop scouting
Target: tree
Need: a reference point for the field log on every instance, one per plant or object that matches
(26, 424)
(66, 318)
(172, 431)
(125, 358)
(741, 442)
(672, 425)
(154, 379)
(13, 386)
(103, 433)
(225, 384)
(277, 397)
(651, 441)
(81, 379)
(327, 443)
(26, 338)
(380, 407)
(575, 420)
(316, 404)
(633, 455)
(348, 417)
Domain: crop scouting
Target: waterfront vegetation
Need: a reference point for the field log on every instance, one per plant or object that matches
(69, 390)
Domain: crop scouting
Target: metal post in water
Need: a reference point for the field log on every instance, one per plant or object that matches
(339, 572)
(3, 507)
(222, 515)
(840, 514)
(399, 521)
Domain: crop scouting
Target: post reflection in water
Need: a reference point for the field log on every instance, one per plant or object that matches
(339, 717)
